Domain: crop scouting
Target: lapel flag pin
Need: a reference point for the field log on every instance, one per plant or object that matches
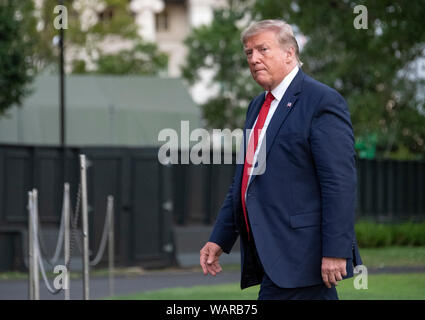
(289, 104)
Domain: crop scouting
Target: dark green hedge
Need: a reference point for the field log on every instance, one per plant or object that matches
(371, 234)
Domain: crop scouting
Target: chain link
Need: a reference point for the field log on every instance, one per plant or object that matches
(104, 238)
(35, 226)
(74, 224)
(59, 243)
(74, 227)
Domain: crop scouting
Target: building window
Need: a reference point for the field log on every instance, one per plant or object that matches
(161, 21)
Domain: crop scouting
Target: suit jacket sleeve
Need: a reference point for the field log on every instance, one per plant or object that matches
(224, 233)
(332, 145)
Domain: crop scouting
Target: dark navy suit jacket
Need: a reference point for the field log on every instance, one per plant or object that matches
(302, 207)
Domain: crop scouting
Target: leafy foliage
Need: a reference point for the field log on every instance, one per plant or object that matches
(16, 24)
(374, 69)
(144, 58)
(217, 47)
(94, 25)
(370, 234)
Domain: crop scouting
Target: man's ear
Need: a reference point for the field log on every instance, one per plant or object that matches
(289, 54)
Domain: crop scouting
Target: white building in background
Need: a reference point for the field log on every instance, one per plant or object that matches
(165, 22)
(168, 23)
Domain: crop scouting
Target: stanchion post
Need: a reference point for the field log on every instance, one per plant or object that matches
(83, 167)
(30, 248)
(66, 239)
(111, 244)
(34, 242)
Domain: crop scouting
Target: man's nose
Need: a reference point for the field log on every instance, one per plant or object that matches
(254, 59)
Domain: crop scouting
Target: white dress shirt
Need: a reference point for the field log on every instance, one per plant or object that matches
(278, 93)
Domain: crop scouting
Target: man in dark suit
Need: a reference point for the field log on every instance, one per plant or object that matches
(292, 200)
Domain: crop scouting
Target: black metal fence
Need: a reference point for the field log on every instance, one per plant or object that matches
(150, 197)
(139, 183)
(387, 191)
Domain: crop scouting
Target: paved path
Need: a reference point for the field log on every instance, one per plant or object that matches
(18, 289)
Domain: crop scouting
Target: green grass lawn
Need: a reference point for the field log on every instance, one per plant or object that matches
(380, 287)
(372, 258)
(382, 258)
(393, 257)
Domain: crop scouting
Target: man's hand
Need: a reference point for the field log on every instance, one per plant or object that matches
(333, 269)
(209, 258)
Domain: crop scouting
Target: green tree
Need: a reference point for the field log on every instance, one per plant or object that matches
(374, 68)
(217, 47)
(16, 72)
(143, 58)
(91, 26)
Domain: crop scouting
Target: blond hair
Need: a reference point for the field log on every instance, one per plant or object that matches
(283, 30)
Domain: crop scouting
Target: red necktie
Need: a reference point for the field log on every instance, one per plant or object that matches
(252, 146)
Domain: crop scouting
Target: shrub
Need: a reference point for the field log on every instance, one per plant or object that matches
(372, 234)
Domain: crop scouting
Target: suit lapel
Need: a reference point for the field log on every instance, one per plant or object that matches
(285, 107)
(254, 114)
(279, 117)
(249, 123)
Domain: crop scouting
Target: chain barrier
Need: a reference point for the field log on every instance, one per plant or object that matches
(59, 243)
(43, 271)
(74, 226)
(37, 252)
(39, 244)
(37, 239)
(104, 239)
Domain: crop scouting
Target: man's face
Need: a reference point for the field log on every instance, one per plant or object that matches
(267, 59)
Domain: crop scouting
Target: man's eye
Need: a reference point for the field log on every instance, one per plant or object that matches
(264, 49)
